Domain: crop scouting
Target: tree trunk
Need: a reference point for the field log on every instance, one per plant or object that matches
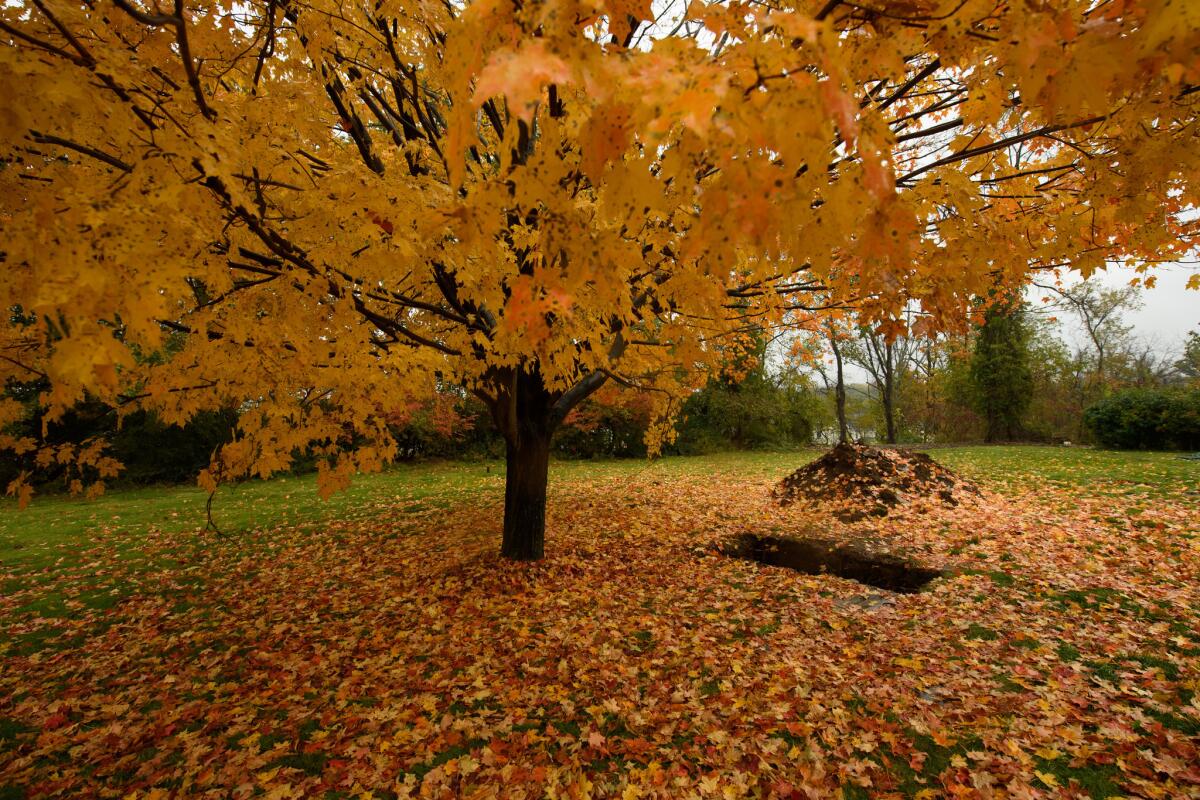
(527, 414)
(528, 466)
(993, 430)
(889, 393)
(889, 417)
(889, 405)
(839, 392)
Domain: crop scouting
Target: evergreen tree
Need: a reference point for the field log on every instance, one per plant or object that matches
(1189, 365)
(1001, 380)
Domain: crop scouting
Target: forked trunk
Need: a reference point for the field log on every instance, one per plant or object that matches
(528, 462)
(527, 414)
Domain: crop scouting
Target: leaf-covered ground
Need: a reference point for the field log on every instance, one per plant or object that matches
(388, 652)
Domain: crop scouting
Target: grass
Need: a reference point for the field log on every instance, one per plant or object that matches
(52, 530)
(54, 527)
(51, 535)
(1153, 474)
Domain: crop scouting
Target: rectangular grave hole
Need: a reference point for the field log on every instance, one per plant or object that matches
(819, 556)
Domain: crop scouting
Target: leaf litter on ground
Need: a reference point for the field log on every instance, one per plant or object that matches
(395, 655)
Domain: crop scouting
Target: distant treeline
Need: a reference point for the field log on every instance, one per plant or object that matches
(1012, 379)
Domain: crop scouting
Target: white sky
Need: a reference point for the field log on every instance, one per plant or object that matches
(1168, 312)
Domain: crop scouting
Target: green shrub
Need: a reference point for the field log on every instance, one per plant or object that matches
(758, 412)
(1147, 419)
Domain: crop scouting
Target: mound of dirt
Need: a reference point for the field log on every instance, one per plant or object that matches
(858, 481)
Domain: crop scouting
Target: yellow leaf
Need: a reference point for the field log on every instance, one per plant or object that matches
(520, 76)
(1047, 778)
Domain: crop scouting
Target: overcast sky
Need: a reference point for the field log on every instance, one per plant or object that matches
(1168, 311)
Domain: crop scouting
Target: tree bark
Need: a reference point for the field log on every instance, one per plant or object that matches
(528, 468)
(889, 416)
(887, 394)
(839, 391)
(527, 415)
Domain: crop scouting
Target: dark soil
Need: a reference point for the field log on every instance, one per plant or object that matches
(861, 481)
(818, 556)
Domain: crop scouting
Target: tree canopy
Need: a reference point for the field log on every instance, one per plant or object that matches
(341, 204)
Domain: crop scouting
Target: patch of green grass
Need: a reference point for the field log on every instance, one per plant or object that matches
(458, 751)
(1098, 780)
(1169, 670)
(55, 526)
(981, 633)
(568, 727)
(643, 641)
(11, 730)
(50, 639)
(1104, 670)
(1118, 472)
(308, 763)
(1067, 651)
(937, 759)
(1001, 578)
(267, 741)
(1007, 684)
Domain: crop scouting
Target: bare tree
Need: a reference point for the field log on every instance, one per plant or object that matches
(885, 359)
(1099, 311)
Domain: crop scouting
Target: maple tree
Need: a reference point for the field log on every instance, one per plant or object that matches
(340, 205)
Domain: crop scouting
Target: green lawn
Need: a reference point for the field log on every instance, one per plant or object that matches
(51, 536)
(1108, 471)
(54, 527)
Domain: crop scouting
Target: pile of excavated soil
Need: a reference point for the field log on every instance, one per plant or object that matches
(856, 481)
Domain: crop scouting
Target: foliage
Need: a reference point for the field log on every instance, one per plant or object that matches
(1189, 364)
(148, 450)
(613, 422)
(1100, 311)
(752, 411)
(344, 207)
(387, 651)
(885, 357)
(1147, 419)
(450, 425)
(1060, 386)
(1001, 378)
(934, 401)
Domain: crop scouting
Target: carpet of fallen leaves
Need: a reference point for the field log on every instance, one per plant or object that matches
(397, 656)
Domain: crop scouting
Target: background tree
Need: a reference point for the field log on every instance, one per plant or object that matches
(750, 404)
(1001, 379)
(885, 359)
(831, 335)
(934, 401)
(1188, 364)
(1060, 376)
(343, 207)
(1100, 312)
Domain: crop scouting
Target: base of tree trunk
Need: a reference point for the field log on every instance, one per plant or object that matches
(528, 464)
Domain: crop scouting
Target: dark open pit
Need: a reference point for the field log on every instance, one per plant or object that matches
(817, 556)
